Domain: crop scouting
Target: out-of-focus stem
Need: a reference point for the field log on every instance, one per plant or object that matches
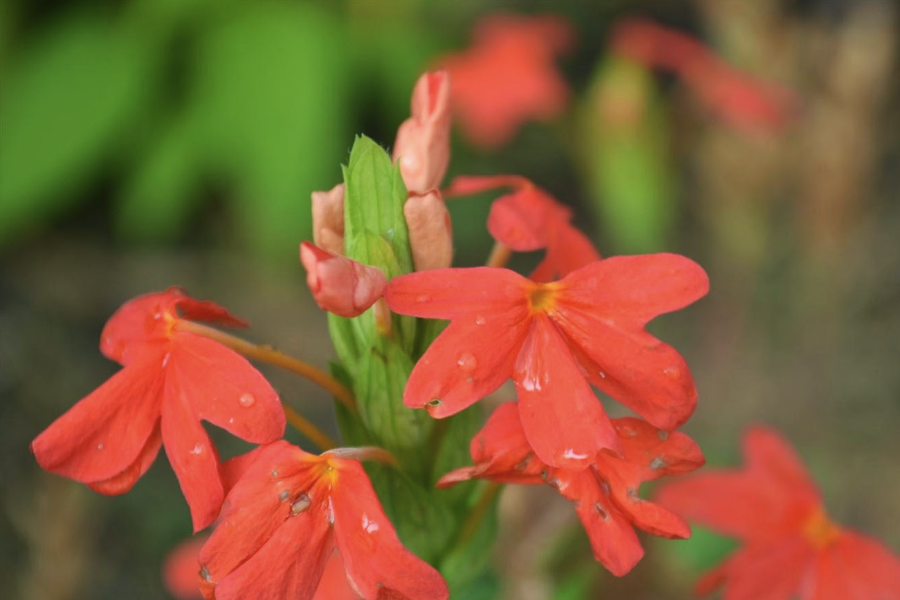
(499, 255)
(269, 355)
(318, 437)
(473, 521)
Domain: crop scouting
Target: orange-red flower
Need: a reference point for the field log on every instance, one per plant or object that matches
(605, 494)
(422, 147)
(736, 97)
(791, 548)
(339, 284)
(508, 76)
(552, 339)
(529, 219)
(285, 517)
(171, 380)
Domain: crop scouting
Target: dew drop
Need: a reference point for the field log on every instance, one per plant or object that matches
(300, 504)
(100, 446)
(467, 362)
(658, 463)
(572, 455)
(165, 360)
(274, 472)
(423, 298)
(601, 374)
(369, 526)
(672, 372)
(204, 573)
(480, 320)
(247, 400)
(531, 384)
(197, 449)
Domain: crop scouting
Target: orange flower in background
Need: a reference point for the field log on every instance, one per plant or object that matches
(180, 569)
(285, 517)
(605, 494)
(171, 380)
(508, 76)
(791, 548)
(555, 340)
(736, 97)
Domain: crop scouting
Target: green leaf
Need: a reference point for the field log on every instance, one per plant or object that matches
(625, 155)
(463, 566)
(65, 107)
(379, 385)
(452, 452)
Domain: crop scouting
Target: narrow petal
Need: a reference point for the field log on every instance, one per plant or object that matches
(768, 572)
(289, 565)
(568, 250)
(856, 567)
(124, 481)
(451, 293)
(192, 455)
(205, 310)
(470, 359)
(422, 145)
(468, 185)
(223, 388)
(378, 565)
(430, 231)
(562, 418)
(769, 454)
(104, 433)
(633, 367)
(629, 291)
(328, 219)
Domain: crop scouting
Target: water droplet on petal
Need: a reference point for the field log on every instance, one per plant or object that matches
(531, 384)
(480, 320)
(274, 472)
(658, 463)
(369, 526)
(572, 455)
(423, 298)
(601, 374)
(165, 360)
(100, 446)
(284, 495)
(300, 504)
(672, 372)
(247, 400)
(467, 362)
(197, 449)
(204, 573)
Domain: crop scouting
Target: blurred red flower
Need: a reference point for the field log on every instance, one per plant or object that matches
(553, 339)
(170, 381)
(605, 494)
(791, 548)
(285, 517)
(508, 76)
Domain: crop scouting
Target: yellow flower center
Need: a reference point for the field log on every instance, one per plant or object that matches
(542, 298)
(820, 530)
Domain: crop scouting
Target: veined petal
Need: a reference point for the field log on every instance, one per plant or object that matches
(105, 432)
(633, 367)
(452, 293)
(223, 388)
(470, 359)
(562, 418)
(628, 291)
(192, 455)
(856, 567)
(124, 481)
(378, 565)
(768, 571)
(289, 564)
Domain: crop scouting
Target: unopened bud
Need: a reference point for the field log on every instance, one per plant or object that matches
(423, 140)
(328, 219)
(430, 231)
(338, 284)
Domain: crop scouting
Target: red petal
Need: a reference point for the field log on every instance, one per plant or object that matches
(633, 367)
(468, 185)
(289, 565)
(768, 572)
(526, 219)
(569, 250)
(104, 433)
(452, 293)
(563, 420)
(769, 454)
(257, 506)
(470, 359)
(204, 310)
(139, 326)
(334, 584)
(125, 480)
(652, 453)
(856, 567)
(180, 569)
(232, 470)
(377, 564)
(222, 387)
(192, 455)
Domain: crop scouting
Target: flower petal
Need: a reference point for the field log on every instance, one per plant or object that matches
(423, 141)
(451, 293)
(105, 432)
(768, 453)
(562, 418)
(856, 567)
(328, 219)
(470, 359)
(223, 388)
(139, 326)
(767, 571)
(377, 564)
(430, 231)
(124, 481)
(568, 250)
(338, 284)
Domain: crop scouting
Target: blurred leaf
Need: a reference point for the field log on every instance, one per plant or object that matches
(701, 552)
(625, 154)
(466, 566)
(453, 450)
(269, 93)
(63, 108)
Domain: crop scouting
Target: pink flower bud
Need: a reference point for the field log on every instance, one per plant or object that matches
(430, 232)
(340, 285)
(328, 219)
(423, 140)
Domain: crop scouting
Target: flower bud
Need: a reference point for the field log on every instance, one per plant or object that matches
(338, 284)
(423, 140)
(430, 231)
(328, 219)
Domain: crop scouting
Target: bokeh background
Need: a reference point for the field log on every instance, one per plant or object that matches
(149, 143)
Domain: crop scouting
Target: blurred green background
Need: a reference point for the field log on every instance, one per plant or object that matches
(149, 143)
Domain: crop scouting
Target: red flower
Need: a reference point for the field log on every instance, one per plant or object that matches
(283, 520)
(605, 494)
(529, 219)
(172, 379)
(508, 76)
(552, 339)
(791, 547)
(737, 98)
(180, 569)
(338, 284)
